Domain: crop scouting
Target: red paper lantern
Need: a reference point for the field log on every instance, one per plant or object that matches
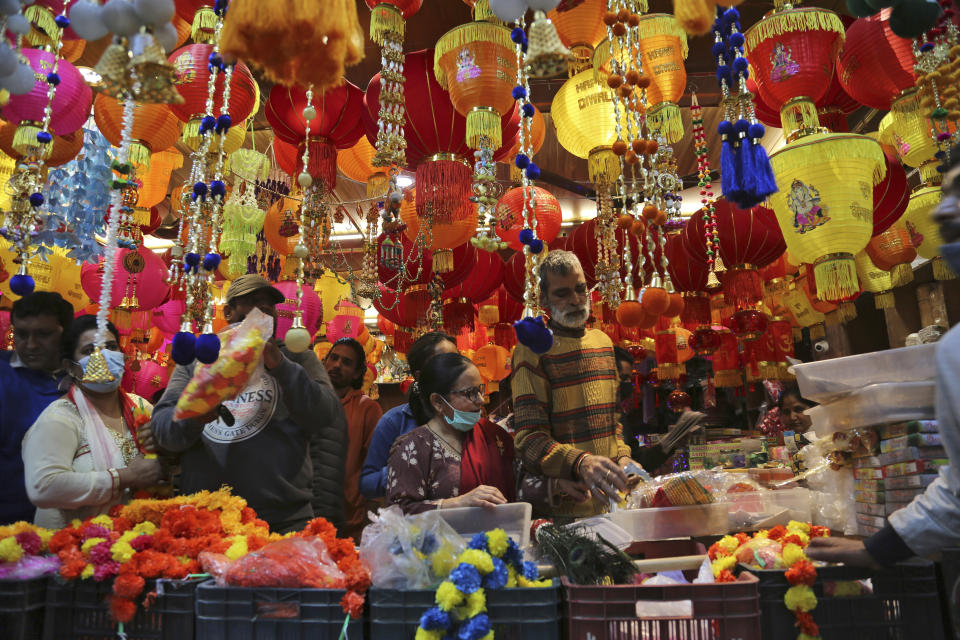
(782, 332)
(704, 341)
(514, 276)
(726, 360)
(458, 314)
(406, 7)
(396, 254)
(760, 358)
(833, 108)
(191, 77)
(510, 216)
(891, 196)
(748, 324)
(482, 281)
(893, 251)
(875, 64)
(687, 273)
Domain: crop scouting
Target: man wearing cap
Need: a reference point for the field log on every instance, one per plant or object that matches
(283, 423)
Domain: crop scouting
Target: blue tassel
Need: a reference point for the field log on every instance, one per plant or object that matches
(534, 334)
(183, 349)
(728, 167)
(764, 182)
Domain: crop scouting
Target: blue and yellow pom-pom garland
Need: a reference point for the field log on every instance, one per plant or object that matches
(491, 561)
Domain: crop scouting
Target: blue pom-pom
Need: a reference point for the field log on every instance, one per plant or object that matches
(44, 137)
(725, 128)
(941, 168)
(536, 246)
(479, 541)
(53, 78)
(466, 578)
(434, 619)
(223, 123)
(21, 285)
(534, 334)
(208, 348)
(522, 161)
(739, 65)
(184, 348)
(217, 189)
(940, 155)
(211, 261)
(736, 39)
(220, 7)
(533, 171)
(517, 35)
(756, 131)
(62, 21)
(741, 126)
(526, 236)
(192, 261)
(718, 49)
(519, 93)
(36, 199)
(497, 579)
(723, 74)
(926, 46)
(200, 190)
(731, 15)
(528, 110)
(214, 62)
(474, 628)
(207, 123)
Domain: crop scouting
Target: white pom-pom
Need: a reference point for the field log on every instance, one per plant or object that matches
(167, 36)
(301, 251)
(8, 61)
(9, 7)
(155, 12)
(543, 5)
(121, 18)
(86, 20)
(297, 340)
(20, 82)
(305, 180)
(18, 24)
(508, 10)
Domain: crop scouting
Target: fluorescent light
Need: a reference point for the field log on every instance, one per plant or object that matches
(340, 237)
(155, 244)
(404, 181)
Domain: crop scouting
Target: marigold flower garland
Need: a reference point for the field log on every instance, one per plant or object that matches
(491, 561)
(800, 572)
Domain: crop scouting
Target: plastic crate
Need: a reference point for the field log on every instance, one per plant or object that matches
(516, 614)
(950, 572)
(21, 608)
(662, 523)
(904, 605)
(79, 611)
(722, 611)
(249, 613)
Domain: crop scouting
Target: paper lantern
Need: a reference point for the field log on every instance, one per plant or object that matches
(891, 196)
(155, 128)
(924, 231)
(58, 273)
(63, 149)
(510, 216)
(166, 316)
(139, 280)
(832, 109)
(281, 226)
(485, 278)
(156, 180)
(310, 306)
(581, 28)
(344, 326)
(458, 315)
(825, 205)
(663, 45)
(672, 350)
(893, 251)
(150, 378)
(493, 361)
(760, 358)
(191, 77)
(875, 64)
(875, 280)
(337, 125)
(200, 16)
(748, 324)
(907, 128)
(443, 234)
(356, 163)
(800, 309)
(538, 133)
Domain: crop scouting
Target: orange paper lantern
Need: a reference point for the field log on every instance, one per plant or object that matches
(155, 127)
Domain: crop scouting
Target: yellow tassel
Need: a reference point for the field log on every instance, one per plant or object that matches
(204, 24)
(141, 216)
(728, 378)
(883, 300)
(807, 123)
(443, 261)
(44, 26)
(377, 185)
(190, 134)
(484, 122)
(483, 13)
(695, 16)
(901, 274)
(660, 24)
(929, 174)
(470, 33)
(140, 155)
(807, 19)
(603, 166)
(941, 270)
(666, 120)
(836, 277)
(489, 315)
(25, 140)
(386, 19)
(670, 370)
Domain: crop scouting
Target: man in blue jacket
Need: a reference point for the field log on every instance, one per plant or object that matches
(29, 381)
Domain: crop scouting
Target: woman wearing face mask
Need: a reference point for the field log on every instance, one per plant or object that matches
(82, 454)
(457, 459)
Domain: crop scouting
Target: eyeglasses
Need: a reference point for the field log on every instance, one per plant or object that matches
(471, 393)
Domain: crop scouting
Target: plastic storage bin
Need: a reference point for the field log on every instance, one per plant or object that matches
(904, 605)
(21, 608)
(829, 379)
(722, 611)
(674, 522)
(876, 404)
(79, 611)
(513, 518)
(515, 614)
(249, 613)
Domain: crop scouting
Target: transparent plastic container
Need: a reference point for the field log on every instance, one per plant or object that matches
(831, 379)
(513, 518)
(674, 522)
(876, 404)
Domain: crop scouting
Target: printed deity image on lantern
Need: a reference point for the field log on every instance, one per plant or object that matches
(466, 68)
(804, 202)
(183, 70)
(916, 238)
(783, 65)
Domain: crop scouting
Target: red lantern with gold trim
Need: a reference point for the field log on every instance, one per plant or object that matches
(485, 278)
(892, 195)
(760, 358)
(726, 360)
(782, 333)
(514, 276)
(510, 216)
(689, 277)
(893, 251)
(875, 64)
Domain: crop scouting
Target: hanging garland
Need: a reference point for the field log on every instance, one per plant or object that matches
(712, 236)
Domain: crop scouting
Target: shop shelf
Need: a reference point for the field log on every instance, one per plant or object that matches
(249, 613)
(513, 518)
(904, 604)
(876, 404)
(827, 380)
(21, 608)
(515, 614)
(78, 610)
(660, 523)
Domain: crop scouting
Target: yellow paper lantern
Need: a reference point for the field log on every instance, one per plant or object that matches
(331, 291)
(58, 273)
(663, 47)
(825, 205)
(7, 165)
(493, 361)
(156, 178)
(908, 129)
(876, 281)
(356, 163)
(582, 111)
(581, 28)
(924, 231)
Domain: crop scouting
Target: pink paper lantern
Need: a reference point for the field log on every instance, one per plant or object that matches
(166, 317)
(151, 378)
(148, 285)
(311, 306)
(344, 326)
(71, 101)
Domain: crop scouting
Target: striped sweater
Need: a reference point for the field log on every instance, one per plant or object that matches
(565, 404)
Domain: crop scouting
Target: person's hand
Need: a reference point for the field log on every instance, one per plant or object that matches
(141, 473)
(604, 477)
(272, 356)
(845, 550)
(482, 496)
(148, 443)
(576, 491)
(210, 416)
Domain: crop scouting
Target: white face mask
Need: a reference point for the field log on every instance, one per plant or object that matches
(115, 365)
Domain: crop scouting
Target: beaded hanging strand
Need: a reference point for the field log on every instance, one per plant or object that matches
(711, 241)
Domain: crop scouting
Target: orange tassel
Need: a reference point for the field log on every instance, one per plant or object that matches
(695, 16)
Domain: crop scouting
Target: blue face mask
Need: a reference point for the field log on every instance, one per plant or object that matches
(114, 366)
(461, 420)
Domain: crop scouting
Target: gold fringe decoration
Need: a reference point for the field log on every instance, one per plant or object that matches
(204, 25)
(484, 122)
(489, 315)
(443, 260)
(603, 166)
(386, 18)
(883, 300)
(140, 155)
(727, 378)
(695, 16)
(25, 140)
(941, 270)
(836, 277)
(483, 13)
(670, 370)
(901, 274)
(929, 174)
(465, 34)
(828, 147)
(666, 119)
(808, 123)
(660, 24)
(807, 19)
(818, 332)
(44, 29)
(377, 185)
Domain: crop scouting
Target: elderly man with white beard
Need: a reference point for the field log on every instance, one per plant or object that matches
(565, 400)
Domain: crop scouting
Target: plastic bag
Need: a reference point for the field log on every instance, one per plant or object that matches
(215, 564)
(761, 553)
(29, 567)
(291, 563)
(240, 357)
(674, 490)
(412, 552)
